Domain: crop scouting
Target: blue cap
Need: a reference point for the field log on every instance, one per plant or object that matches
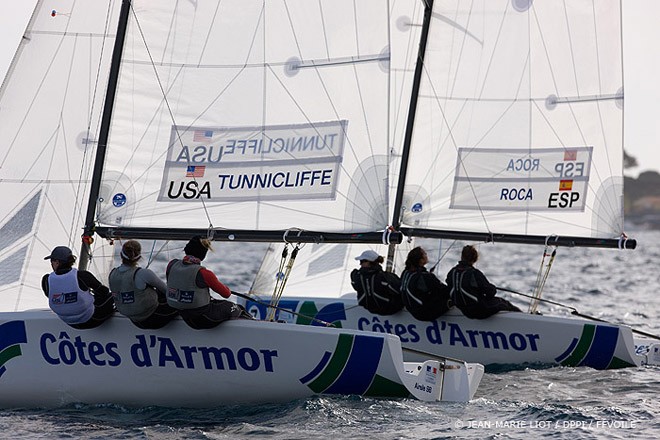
(61, 253)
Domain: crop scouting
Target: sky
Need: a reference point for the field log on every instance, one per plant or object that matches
(641, 26)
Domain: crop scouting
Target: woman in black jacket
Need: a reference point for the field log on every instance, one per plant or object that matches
(423, 294)
(471, 291)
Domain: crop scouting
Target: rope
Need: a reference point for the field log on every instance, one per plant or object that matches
(542, 277)
(272, 307)
(282, 278)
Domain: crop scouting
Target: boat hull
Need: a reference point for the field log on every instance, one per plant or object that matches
(506, 339)
(46, 363)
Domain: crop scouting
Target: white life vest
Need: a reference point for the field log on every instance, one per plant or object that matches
(65, 297)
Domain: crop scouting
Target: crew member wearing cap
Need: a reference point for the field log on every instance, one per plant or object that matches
(188, 285)
(423, 294)
(76, 296)
(377, 290)
(138, 292)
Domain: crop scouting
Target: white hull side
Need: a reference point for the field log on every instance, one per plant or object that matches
(45, 363)
(504, 339)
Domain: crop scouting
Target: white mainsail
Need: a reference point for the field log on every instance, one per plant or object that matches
(252, 116)
(49, 117)
(519, 123)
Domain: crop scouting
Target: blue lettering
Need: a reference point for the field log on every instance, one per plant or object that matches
(532, 340)
(517, 341)
(473, 337)
(412, 329)
(167, 353)
(248, 359)
(495, 338)
(433, 333)
(95, 349)
(456, 335)
(529, 164)
(111, 349)
(516, 194)
(268, 359)
(47, 337)
(217, 353)
(140, 353)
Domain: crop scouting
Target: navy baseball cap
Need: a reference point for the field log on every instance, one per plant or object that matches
(61, 253)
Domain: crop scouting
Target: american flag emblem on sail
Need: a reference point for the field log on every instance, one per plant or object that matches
(202, 135)
(570, 155)
(195, 171)
(565, 185)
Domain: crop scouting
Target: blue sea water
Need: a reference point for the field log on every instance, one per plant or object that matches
(558, 402)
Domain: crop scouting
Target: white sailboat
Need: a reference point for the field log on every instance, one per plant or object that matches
(516, 136)
(237, 120)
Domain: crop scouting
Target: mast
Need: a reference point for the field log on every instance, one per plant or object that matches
(85, 251)
(412, 110)
(410, 124)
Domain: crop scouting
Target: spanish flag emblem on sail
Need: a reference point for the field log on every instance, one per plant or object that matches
(565, 185)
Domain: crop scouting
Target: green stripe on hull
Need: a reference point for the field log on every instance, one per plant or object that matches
(619, 363)
(307, 310)
(336, 365)
(8, 353)
(382, 387)
(582, 347)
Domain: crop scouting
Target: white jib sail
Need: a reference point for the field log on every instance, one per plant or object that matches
(50, 107)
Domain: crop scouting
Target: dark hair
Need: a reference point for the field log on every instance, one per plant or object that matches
(130, 252)
(469, 254)
(377, 261)
(414, 257)
(197, 247)
(69, 262)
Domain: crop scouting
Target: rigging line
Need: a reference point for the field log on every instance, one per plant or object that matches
(590, 187)
(167, 103)
(78, 204)
(441, 256)
(278, 279)
(289, 267)
(282, 309)
(138, 144)
(360, 188)
(364, 209)
(334, 109)
(455, 145)
(552, 74)
(576, 313)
